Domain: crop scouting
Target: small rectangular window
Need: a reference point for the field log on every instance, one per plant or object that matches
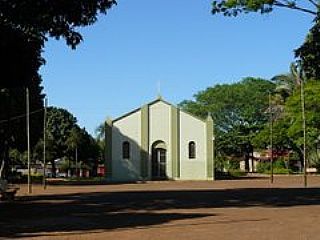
(192, 150)
(126, 150)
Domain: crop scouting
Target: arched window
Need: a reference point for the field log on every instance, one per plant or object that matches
(126, 150)
(192, 149)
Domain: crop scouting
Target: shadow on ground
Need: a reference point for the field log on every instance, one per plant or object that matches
(46, 214)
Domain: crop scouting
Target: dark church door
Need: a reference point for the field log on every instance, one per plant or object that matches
(159, 164)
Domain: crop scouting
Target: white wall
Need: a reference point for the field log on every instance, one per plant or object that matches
(159, 126)
(192, 129)
(126, 129)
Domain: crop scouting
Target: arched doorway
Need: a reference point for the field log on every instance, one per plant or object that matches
(159, 159)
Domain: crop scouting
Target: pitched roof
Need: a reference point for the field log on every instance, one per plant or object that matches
(158, 99)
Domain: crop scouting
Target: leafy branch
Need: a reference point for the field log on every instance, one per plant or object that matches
(235, 7)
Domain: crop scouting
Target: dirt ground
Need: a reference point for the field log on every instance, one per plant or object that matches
(235, 209)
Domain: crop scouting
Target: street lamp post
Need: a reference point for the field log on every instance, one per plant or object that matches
(44, 142)
(214, 156)
(28, 140)
(271, 138)
(305, 163)
(76, 161)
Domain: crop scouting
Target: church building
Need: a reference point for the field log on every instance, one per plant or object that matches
(159, 141)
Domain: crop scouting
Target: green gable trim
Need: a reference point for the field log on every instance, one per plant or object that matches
(151, 103)
(108, 149)
(144, 151)
(126, 115)
(175, 141)
(210, 162)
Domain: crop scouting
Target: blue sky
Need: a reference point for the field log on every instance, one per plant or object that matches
(177, 43)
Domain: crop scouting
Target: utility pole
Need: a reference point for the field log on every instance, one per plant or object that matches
(304, 132)
(28, 139)
(214, 151)
(76, 161)
(44, 141)
(271, 138)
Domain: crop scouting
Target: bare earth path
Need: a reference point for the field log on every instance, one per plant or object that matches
(235, 209)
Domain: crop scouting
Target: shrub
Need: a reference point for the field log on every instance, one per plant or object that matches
(279, 167)
(236, 173)
(233, 165)
(263, 167)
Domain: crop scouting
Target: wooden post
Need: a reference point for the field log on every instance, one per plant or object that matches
(44, 141)
(271, 138)
(28, 139)
(304, 133)
(76, 161)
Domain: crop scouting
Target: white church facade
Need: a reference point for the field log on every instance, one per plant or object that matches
(159, 141)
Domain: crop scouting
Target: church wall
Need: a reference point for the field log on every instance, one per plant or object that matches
(159, 120)
(192, 129)
(126, 129)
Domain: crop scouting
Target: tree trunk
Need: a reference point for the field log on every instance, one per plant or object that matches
(300, 153)
(4, 168)
(246, 162)
(53, 168)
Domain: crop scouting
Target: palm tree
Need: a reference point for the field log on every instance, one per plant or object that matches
(286, 84)
(100, 138)
(73, 142)
(100, 132)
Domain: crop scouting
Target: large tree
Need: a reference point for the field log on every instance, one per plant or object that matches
(13, 120)
(59, 126)
(20, 57)
(235, 7)
(288, 133)
(308, 54)
(42, 18)
(64, 137)
(312, 110)
(238, 110)
(25, 26)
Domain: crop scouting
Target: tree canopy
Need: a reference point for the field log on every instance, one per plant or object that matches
(25, 25)
(235, 7)
(64, 137)
(41, 18)
(238, 110)
(312, 107)
(308, 54)
(288, 131)
(13, 119)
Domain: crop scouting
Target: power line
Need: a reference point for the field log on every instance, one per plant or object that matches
(21, 116)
